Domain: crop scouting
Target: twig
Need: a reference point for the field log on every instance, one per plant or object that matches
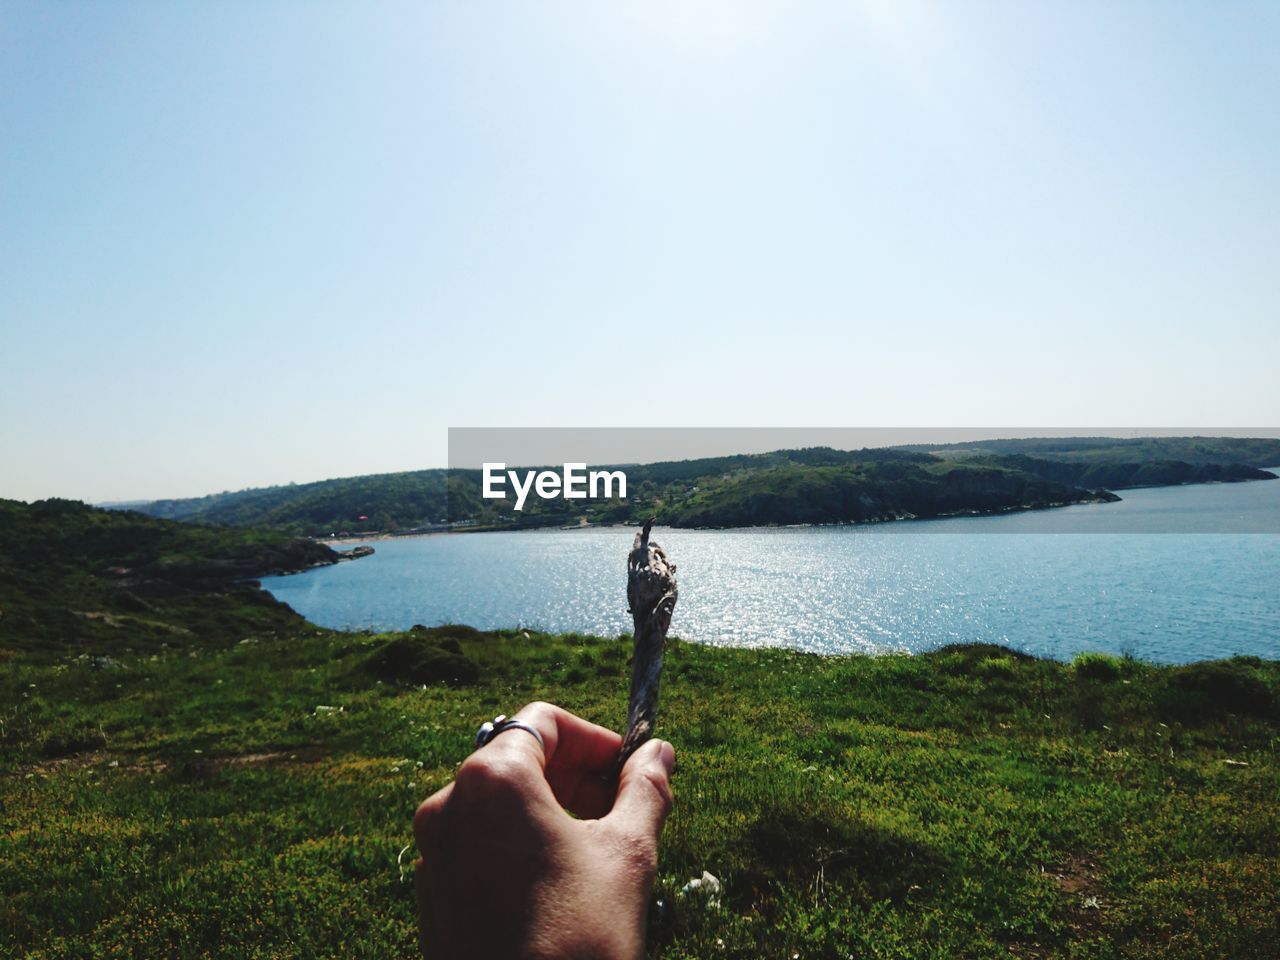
(651, 598)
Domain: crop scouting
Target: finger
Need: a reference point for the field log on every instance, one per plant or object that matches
(588, 796)
(570, 741)
(428, 831)
(575, 757)
(580, 768)
(427, 824)
(644, 792)
(519, 745)
(428, 929)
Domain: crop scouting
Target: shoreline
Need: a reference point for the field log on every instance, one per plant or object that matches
(380, 537)
(869, 522)
(876, 521)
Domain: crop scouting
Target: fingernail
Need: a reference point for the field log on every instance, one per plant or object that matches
(667, 756)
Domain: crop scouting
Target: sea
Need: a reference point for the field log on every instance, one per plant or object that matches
(1168, 574)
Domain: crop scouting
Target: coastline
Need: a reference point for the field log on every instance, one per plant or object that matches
(871, 521)
(381, 537)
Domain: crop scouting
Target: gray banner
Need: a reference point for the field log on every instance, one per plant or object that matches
(909, 480)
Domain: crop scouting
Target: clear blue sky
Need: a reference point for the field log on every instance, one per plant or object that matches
(249, 243)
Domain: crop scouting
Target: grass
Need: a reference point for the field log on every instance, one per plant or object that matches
(249, 798)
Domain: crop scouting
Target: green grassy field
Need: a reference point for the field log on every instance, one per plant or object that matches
(249, 798)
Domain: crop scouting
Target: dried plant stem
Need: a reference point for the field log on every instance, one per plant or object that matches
(651, 595)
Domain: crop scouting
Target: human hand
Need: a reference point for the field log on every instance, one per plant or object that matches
(507, 874)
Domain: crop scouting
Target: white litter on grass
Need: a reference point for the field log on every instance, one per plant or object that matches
(325, 708)
(707, 885)
(400, 860)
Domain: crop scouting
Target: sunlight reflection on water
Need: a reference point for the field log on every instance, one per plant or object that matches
(837, 590)
(1162, 596)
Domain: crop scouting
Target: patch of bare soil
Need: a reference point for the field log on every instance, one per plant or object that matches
(102, 758)
(1079, 879)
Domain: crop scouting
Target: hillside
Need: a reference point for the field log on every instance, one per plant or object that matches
(813, 485)
(251, 798)
(886, 490)
(189, 769)
(389, 501)
(74, 577)
(1252, 452)
(1113, 475)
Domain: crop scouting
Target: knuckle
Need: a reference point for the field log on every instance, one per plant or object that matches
(426, 820)
(538, 708)
(488, 774)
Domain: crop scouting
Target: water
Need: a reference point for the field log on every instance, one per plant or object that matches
(1061, 586)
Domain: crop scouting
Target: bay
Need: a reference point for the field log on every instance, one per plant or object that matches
(1060, 582)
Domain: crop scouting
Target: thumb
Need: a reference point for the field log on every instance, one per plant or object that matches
(644, 791)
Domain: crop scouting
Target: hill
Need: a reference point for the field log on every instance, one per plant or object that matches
(189, 769)
(1122, 475)
(1252, 452)
(388, 501)
(858, 493)
(812, 485)
(74, 577)
(250, 799)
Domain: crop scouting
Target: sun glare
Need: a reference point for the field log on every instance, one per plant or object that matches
(718, 27)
